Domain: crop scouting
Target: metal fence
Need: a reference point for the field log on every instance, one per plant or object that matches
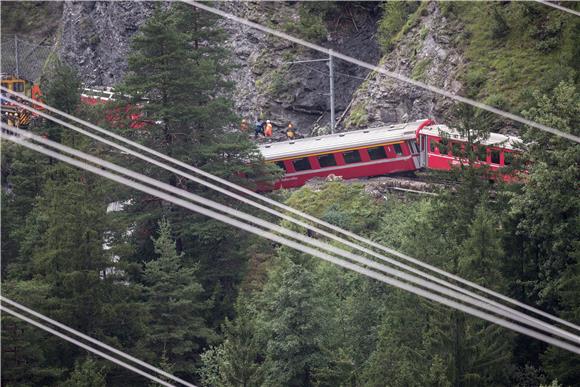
(24, 59)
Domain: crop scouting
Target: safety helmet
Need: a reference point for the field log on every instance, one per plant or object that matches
(267, 121)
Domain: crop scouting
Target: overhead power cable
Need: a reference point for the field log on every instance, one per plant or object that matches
(274, 203)
(297, 245)
(93, 341)
(84, 346)
(383, 71)
(470, 297)
(557, 6)
(476, 301)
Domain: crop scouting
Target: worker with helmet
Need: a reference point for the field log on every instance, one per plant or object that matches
(268, 129)
(290, 131)
(244, 126)
(259, 128)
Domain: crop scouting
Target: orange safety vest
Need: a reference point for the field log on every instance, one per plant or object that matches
(268, 130)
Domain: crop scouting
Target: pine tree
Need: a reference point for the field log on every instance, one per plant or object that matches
(175, 302)
(177, 75)
(178, 66)
(235, 362)
(294, 328)
(86, 374)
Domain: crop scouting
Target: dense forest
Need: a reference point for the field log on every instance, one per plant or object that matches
(220, 307)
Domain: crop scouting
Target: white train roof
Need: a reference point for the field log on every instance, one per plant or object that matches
(344, 140)
(494, 139)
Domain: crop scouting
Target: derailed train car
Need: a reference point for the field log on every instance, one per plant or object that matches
(382, 151)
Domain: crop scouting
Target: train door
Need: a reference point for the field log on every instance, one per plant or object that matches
(423, 147)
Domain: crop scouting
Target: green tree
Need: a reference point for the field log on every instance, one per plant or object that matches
(546, 215)
(178, 65)
(177, 75)
(235, 362)
(293, 327)
(86, 374)
(175, 302)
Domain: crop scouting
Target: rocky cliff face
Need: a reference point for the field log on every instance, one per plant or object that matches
(96, 37)
(268, 86)
(427, 51)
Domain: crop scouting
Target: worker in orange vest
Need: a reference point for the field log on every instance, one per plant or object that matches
(268, 129)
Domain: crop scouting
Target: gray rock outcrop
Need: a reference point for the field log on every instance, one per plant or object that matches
(429, 53)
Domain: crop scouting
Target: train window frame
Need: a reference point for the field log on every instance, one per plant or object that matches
(443, 146)
(508, 158)
(433, 145)
(282, 165)
(398, 149)
(414, 146)
(377, 153)
(456, 149)
(322, 160)
(481, 152)
(495, 155)
(349, 160)
(299, 167)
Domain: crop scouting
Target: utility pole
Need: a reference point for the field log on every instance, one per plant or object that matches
(331, 71)
(16, 54)
(331, 74)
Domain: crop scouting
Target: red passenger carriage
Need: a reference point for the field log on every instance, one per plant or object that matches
(381, 151)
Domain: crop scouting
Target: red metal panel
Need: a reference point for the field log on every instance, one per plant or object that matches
(351, 172)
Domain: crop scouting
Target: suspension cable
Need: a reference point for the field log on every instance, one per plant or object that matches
(272, 202)
(297, 246)
(472, 298)
(84, 346)
(92, 340)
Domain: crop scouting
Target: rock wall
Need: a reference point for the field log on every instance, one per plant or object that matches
(96, 37)
(268, 86)
(427, 52)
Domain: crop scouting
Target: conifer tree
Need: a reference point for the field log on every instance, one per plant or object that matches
(177, 75)
(86, 374)
(294, 327)
(176, 306)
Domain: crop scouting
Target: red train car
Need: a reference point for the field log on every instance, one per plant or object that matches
(380, 151)
(361, 153)
(443, 148)
(117, 115)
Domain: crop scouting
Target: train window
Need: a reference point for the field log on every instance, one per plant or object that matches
(481, 152)
(281, 165)
(302, 164)
(443, 148)
(414, 146)
(377, 153)
(351, 157)
(398, 149)
(432, 145)
(456, 149)
(494, 156)
(508, 158)
(19, 87)
(326, 161)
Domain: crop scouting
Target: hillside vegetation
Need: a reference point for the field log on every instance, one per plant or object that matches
(224, 308)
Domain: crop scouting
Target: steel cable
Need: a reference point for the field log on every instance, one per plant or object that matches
(280, 205)
(297, 246)
(471, 297)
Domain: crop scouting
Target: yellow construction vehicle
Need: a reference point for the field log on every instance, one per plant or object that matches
(12, 114)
